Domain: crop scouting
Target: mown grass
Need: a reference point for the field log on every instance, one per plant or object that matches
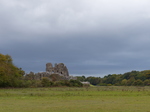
(92, 99)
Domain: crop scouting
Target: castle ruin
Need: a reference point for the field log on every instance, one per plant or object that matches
(59, 69)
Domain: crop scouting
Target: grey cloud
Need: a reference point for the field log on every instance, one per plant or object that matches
(91, 38)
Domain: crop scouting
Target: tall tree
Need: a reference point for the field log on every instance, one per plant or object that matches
(9, 73)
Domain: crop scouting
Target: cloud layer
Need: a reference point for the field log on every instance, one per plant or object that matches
(91, 37)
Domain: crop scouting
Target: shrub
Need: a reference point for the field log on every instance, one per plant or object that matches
(45, 82)
(75, 83)
(146, 82)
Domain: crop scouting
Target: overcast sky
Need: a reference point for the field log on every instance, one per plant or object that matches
(91, 37)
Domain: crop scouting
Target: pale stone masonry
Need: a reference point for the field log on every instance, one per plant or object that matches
(59, 69)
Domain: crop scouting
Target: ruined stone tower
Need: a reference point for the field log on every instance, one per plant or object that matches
(60, 69)
(49, 68)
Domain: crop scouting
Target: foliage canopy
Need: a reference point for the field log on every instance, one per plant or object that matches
(9, 73)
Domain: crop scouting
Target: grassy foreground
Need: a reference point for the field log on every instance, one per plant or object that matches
(92, 99)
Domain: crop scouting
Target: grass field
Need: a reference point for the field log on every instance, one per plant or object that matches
(92, 99)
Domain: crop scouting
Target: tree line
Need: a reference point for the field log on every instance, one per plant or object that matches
(133, 78)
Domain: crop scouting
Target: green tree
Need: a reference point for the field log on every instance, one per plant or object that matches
(138, 82)
(146, 82)
(81, 78)
(30, 76)
(9, 73)
(148, 75)
(75, 83)
(124, 82)
(94, 80)
(130, 81)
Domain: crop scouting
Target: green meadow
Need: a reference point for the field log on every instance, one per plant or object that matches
(65, 99)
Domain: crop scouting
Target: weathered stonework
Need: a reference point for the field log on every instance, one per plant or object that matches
(59, 69)
(49, 67)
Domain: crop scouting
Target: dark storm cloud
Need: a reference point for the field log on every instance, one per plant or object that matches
(91, 38)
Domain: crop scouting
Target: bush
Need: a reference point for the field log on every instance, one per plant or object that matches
(75, 83)
(45, 82)
(146, 82)
(57, 84)
(109, 84)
